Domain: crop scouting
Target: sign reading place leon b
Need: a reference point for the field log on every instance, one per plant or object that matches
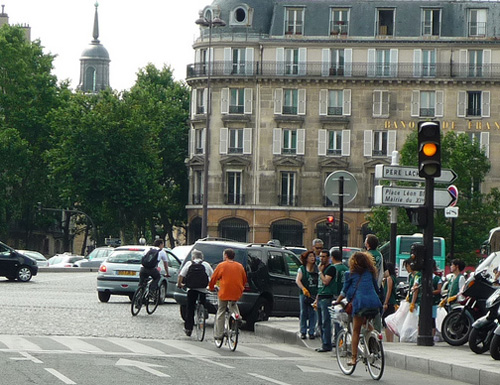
(410, 197)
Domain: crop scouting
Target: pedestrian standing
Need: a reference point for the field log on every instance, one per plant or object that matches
(307, 281)
(326, 287)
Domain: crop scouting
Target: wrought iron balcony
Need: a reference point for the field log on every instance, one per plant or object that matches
(234, 199)
(197, 199)
(288, 200)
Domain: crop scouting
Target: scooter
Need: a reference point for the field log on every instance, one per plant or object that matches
(483, 329)
(457, 324)
(494, 300)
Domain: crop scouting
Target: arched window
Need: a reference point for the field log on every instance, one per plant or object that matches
(90, 79)
(288, 231)
(194, 231)
(331, 237)
(234, 228)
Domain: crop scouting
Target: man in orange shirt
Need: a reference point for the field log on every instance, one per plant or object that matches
(232, 278)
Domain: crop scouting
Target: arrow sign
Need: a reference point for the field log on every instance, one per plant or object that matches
(142, 365)
(410, 197)
(409, 173)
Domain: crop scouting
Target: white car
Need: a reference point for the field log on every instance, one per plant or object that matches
(64, 260)
(41, 261)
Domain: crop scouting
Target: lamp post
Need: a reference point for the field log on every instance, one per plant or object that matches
(210, 23)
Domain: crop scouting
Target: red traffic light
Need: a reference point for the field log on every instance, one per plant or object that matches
(330, 220)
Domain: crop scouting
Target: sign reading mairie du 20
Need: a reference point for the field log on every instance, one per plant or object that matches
(410, 197)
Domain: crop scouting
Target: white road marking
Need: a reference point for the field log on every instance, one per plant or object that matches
(312, 369)
(27, 357)
(268, 379)
(135, 346)
(60, 376)
(77, 344)
(142, 365)
(214, 363)
(18, 343)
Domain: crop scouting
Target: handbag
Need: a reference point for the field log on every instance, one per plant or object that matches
(348, 307)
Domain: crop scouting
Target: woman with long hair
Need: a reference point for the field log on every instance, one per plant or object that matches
(361, 289)
(307, 281)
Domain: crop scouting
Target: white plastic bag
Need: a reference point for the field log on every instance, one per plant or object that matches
(395, 321)
(440, 314)
(409, 331)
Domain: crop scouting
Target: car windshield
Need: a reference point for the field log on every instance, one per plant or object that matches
(126, 256)
(213, 253)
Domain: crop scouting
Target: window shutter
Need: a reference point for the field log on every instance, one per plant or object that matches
(211, 54)
(462, 103)
(302, 102)
(368, 143)
(346, 110)
(485, 104)
(302, 61)
(462, 63)
(322, 139)
(417, 63)
(301, 141)
(346, 143)
(391, 142)
(192, 142)
(348, 62)
(377, 103)
(485, 143)
(203, 139)
(487, 62)
(247, 141)
(280, 61)
(371, 62)
(224, 101)
(249, 61)
(394, 62)
(439, 104)
(248, 100)
(228, 62)
(415, 103)
(193, 102)
(278, 101)
(277, 141)
(325, 62)
(223, 141)
(205, 100)
(385, 97)
(323, 102)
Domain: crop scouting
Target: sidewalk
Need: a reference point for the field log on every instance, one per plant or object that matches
(440, 360)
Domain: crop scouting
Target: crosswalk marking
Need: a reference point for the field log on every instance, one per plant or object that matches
(254, 352)
(135, 346)
(77, 344)
(18, 343)
(191, 347)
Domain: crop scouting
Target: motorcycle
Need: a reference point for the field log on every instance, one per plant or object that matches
(457, 324)
(494, 300)
(483, 329)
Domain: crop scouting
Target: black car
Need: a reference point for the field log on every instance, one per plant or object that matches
(15, 265)
(271, 271)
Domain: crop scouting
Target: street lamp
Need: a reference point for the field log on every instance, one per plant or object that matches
(210, 23)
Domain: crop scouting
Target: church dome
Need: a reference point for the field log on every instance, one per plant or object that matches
(95, 51)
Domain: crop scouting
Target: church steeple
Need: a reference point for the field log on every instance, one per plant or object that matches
(94, 62)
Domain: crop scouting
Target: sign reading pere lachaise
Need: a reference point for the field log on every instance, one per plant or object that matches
(445, 124)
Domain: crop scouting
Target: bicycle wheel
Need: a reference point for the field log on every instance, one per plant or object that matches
(232, 334)
(376, 357)
(136, 304)
(152, 301)
(199, 321)
(344, 352)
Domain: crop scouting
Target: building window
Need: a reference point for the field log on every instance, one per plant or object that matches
(335, 102)
(294, 22)
(385, 22)
(475, 63)
(235, 141)
(383, 66)
(199, 141)
(201, 99)
(382, 62)
(234, 228)
(336, 62)
(289, 141)
(473, 104)
(288, 231)
(203, 61)
(428, 62)
(379, 143)
(237, 101)
(233, 191)
(339, 22)
(431, 19)
(239, 61)
(334, 142)
(288, 197)
(427, 103)
(381, 104)
(477, 22)
(198, 187)
(291, 61)
(290, 102)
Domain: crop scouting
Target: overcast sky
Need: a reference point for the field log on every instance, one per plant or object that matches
(134, 33)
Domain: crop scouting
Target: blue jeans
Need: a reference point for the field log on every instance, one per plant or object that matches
(307, 317)
(325, 322)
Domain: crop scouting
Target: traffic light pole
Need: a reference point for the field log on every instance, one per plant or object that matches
(341, 219)
(425, 337)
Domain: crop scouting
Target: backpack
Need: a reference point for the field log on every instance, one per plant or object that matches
(196, 277)
(150, 259)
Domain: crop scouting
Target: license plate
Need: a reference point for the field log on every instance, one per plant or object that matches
(127, 272)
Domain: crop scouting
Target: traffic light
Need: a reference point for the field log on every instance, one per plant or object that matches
(330, 221)
(429, 149)
(417, 256)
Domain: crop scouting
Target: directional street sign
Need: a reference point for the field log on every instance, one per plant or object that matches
(410, 197)
(409, 173)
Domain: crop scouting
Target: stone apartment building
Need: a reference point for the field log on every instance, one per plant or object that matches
(300, 89)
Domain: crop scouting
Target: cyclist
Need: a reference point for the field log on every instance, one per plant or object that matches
(232, 278)
(153, 272)
(196, 285)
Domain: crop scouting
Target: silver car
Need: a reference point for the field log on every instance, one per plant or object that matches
(119, 273)
(96, 257)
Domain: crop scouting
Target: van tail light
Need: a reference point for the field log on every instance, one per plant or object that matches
(103, 268)
(247, 287)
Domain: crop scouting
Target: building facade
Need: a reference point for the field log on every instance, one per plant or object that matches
(299, 90)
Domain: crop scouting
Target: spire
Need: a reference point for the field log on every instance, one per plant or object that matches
(95, 33)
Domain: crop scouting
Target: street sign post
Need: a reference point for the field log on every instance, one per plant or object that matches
(410, 174)
(410, 197)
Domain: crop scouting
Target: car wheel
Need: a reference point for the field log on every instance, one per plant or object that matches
(103, 296)
(260, 312)
(163, 292)
(24, 274)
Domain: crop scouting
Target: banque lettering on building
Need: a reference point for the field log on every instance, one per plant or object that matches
(445, 124)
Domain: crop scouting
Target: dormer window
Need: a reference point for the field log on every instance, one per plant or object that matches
(241, 15)
(294, 22)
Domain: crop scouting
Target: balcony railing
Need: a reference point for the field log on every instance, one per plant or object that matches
(288, 200)
(234, 199)
(404, 71)
(197, 199)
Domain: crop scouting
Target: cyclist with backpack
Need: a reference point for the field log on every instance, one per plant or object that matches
(149, 267)
(195, 275)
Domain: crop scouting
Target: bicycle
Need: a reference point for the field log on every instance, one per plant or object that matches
(200, 316)
(231, 329)
(370, 348)
(143, 296)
